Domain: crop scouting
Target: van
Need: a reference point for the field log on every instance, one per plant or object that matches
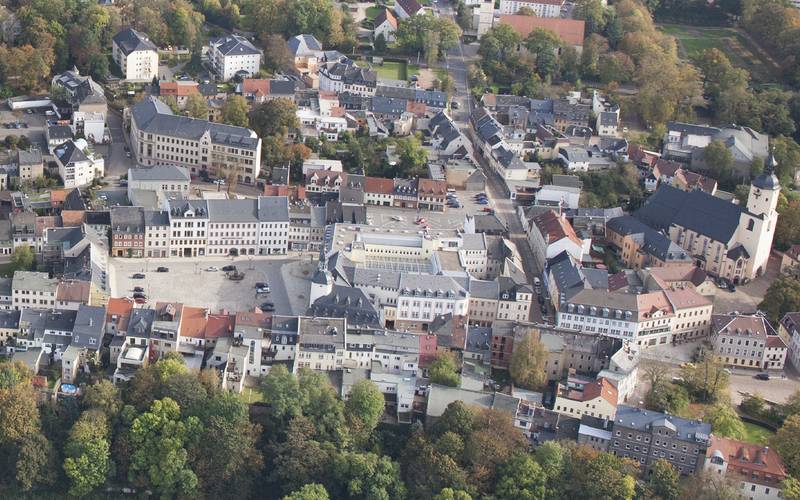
(451, 190)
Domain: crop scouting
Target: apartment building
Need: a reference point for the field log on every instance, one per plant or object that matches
(135, 54)
(306, 228)
(424, 297)
(234, 54)
(789, 330)
(32, 289)
(747, 341)
(158, 137)
(273, 216)
(646, 436)
(542, 8)
(159, 178)
(320, 344)
(77, 164)
(188, 224)
(638, 245)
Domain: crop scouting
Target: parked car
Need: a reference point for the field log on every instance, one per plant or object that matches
(139, 295)
(483, 202)
(267, 307)
(212, 269)
(397, 218)
(162, 269)
(762, 376)
(731, 287)
(138, 276)
(138, 289)
(229, 268)
(140, 300)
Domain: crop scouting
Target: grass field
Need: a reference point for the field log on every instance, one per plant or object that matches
(693, 39)
(373, 11)
(396, 70)
(756, 434)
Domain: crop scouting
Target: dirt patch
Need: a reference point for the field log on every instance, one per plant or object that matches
(426, 78)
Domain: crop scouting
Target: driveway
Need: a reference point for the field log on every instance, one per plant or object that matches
(117, 163)
(747, 297)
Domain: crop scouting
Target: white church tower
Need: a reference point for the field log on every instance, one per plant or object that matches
(757, 223)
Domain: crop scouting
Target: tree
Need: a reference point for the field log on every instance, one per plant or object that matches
(444, 370)
(234, 111)
(667, 397)
(451, 494)
(277, 56)
(664, 480)
(88, 457)
(457, 418)
(724, 421)
(428, 471)
(23, 258)
(364, 407)
(787, 443)
(706, 380)
(172, 103)
(274, 118)
(528, 362)
(543, 45)
(704, 485)
(595, 474)
(300, 458)
(782, 296)
(35, 462)
(790, 489)
(313, 491)
(380, 44)
(493, 442)
(521, 478)
(105, 397)
(413, 157)
(282, 390)
(20, 416)
(159, 440)
(322, 406)
(718, 159)
(787, 230)
(197, 106)
(367, 476)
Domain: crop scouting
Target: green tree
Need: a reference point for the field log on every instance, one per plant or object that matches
(787, 229)
(790, 489)
(105, 397)
(322, 406)
(197, 106)
(663, 480)
(667, 397)
(159, 440)
(782, 296)
(451, 494)
(364, 408)
(787, 443)
(718, 159)
(493, 442)
(457, 418)
(88, 457)
(380, 44)
(543, 45)
(172, 103)
(300, 458)
(444, 370)
(365, 476)
(725, 422)
(23, 258)
(234, 111)
(313, 491)
(413, 157)
(521, 478)
(427, 471)
(528, 362)
(274, 118)
(277, 56)
(282, 390)
(597, 474)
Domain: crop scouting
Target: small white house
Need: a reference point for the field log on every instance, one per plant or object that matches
(574, 159)
(77, 165)
(386, 25)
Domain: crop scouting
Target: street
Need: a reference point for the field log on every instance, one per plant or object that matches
(456, 63)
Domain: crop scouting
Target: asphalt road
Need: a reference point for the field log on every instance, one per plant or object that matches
(456, 63)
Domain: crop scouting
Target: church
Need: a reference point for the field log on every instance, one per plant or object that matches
(725, 239)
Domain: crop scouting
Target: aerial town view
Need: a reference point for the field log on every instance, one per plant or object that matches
(400, 249)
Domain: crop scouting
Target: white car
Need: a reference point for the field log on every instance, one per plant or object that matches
(212, 269)
(220, 182)
(397, 218)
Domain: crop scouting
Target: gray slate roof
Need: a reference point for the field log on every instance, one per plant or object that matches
(235, 45)
(645, 420)
(129, 40)
(159, 173)
(69, 153)
(89, 326)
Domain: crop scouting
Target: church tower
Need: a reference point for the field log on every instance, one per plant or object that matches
(757, 223)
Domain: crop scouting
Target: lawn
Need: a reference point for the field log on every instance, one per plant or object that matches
(395, 70)
(693, 39)
(373, 11)
(250, 396)
(756, 434)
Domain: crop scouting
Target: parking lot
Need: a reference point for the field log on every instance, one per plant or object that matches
(451, 218)
(747, 297)
(188, 282)
(32, 125)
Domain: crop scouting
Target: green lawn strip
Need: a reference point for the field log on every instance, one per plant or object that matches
(756, 434)
(373, 11)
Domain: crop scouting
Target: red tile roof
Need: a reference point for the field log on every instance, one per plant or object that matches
(378, 185)
(255, 86)
(570, 31)
(121, 308)
(601, 388)
(431, 186)
(73, 291)
(385, 15)
(554, 227)
(751, 460)
(775, 341)
(193, 322)
(181, 89)
(219, 325)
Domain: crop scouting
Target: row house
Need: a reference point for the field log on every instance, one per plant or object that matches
(127, 232)
(345, 76)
